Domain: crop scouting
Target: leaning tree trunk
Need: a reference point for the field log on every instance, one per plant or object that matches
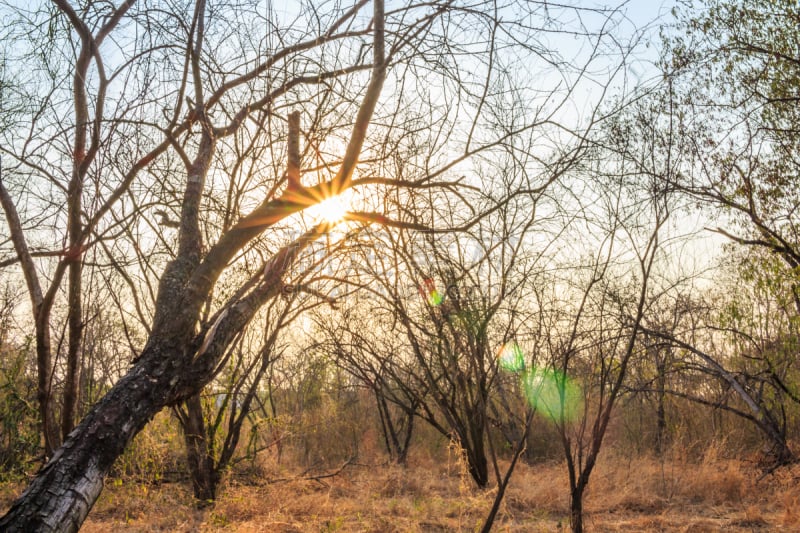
(60, 497)
(171, 368)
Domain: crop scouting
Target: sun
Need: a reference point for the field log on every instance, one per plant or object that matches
(330, 210)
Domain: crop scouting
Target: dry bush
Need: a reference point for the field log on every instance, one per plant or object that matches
(327, 434)
(649, 485)
(141, 508)
(156, 454)
(780, 491)
(716, 481)
(790, 516)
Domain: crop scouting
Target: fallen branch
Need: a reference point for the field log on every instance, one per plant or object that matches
(317, 477)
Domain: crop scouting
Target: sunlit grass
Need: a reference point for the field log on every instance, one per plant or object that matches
(630, 494)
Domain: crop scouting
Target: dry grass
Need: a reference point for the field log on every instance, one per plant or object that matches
(640, 494)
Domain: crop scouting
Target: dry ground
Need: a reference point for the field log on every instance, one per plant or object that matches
(642, 494)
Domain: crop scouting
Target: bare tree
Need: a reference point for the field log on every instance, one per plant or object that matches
(331, 66)
(621, 215)
(439, 307)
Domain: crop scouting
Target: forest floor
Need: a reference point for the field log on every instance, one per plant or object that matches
(641, 494)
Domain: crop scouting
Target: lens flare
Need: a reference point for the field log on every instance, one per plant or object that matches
(429, 292)
(553, 394)
(511, 358)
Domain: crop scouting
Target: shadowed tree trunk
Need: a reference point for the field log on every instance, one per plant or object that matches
(63, 492)
(198, 453)
(661, 415)
(397, 431)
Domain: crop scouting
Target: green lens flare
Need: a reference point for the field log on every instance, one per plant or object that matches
(428, 290)
(553, 394)
(510, 357)
(434, 298)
